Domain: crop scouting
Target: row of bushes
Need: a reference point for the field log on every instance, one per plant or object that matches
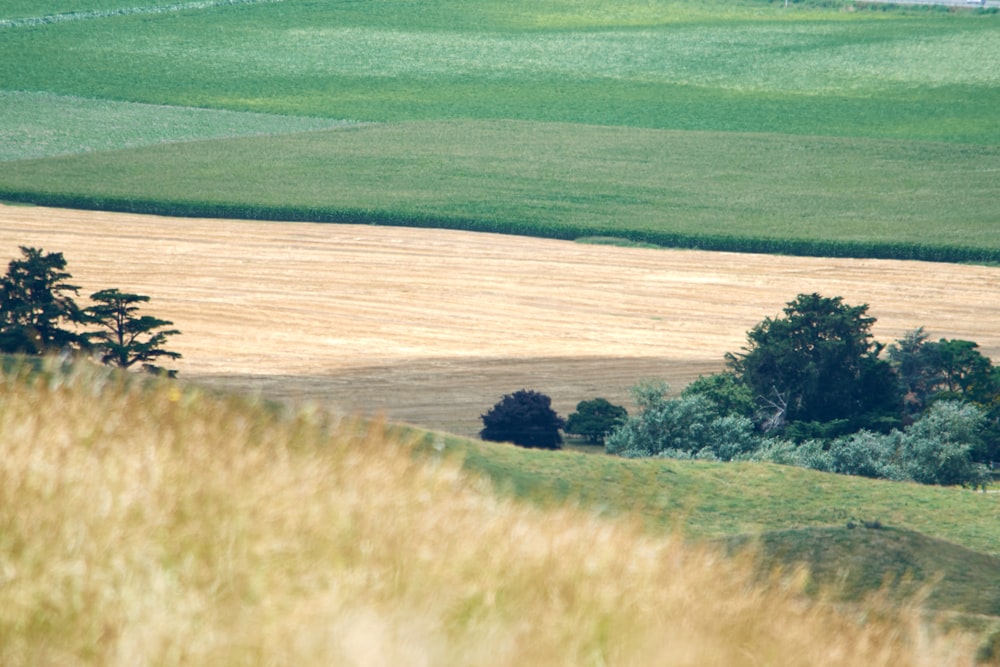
(666, 239)
(937, 448)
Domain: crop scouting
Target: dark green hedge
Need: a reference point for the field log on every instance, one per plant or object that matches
(666, 239)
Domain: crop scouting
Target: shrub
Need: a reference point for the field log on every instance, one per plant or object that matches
(524, 418)
(937, 448)
(595, 419)
(689, 426)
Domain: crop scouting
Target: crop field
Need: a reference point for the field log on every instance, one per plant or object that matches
(431, 327)
(737, 125)
(43, 125)
(565, 181)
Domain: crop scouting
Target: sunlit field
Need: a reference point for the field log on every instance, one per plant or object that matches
(822, 130)
(159, 524)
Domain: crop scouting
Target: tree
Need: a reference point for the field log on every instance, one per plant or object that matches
(685, 427)
(915, 367)
(525, 418)
(730, 395)
(36, 302)
(938, 448)
(595, 419)
(943, 370)
(818, 363)
(127, 338)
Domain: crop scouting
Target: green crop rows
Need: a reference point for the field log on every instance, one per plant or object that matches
(739, 125)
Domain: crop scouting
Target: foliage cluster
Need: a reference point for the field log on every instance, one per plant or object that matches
(811, 389)
(524, 418)
(595, 419)
(37, 306)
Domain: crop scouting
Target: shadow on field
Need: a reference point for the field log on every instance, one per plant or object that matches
(449, 394)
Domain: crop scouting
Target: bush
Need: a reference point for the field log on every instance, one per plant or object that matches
(937, 448)
(595, 419)
(685, 427)
(525, 418)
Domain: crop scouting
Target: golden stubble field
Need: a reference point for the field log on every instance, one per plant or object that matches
(431, 327)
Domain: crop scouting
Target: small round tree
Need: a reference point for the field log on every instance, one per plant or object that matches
(595, 419)
(525, 418)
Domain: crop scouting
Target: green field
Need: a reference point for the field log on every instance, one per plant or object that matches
(855, 534)
(562, 180)
(734, 125)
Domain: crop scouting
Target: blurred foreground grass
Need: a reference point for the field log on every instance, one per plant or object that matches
(155, 523)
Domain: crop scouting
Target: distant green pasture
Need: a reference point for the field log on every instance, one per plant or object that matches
(41, 124)
(677, 65)
(642, 118)
(711, 499)
(25, 12)
(563, 180)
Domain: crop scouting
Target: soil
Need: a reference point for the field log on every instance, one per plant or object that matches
(432, 327)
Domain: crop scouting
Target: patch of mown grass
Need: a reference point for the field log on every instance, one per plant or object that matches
(902, 199)
(42, 125)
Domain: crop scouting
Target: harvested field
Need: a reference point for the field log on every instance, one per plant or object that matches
(431, 327)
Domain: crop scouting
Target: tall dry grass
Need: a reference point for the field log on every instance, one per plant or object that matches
(157, 524)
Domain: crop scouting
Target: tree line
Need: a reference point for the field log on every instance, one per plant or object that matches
(39, 315)
(813, 388)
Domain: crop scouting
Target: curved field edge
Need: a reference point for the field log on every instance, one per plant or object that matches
(711, 500)
(764, 193)
(247, 532)
(854, 536)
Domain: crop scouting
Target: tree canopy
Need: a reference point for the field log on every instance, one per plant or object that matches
(126, 338)
(36, 304)
(524, 418)
(818, 363)
(595, 419)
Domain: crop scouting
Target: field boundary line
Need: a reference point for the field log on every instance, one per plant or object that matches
(125, 11)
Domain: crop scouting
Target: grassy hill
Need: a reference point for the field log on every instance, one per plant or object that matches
(737, 125)
(155, 522)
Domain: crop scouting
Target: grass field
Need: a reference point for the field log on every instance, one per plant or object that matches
(42, 125)
(431, 327)
(736, 120)
(178, 526)
(561, 180)
(163, 524)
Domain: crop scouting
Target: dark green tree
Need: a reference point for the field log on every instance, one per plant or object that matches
(595, 419)
(524, 418)
(916, 367)
(949, 370)
(36, 303)
(729, 394)
(818, 364)
(127, 338)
